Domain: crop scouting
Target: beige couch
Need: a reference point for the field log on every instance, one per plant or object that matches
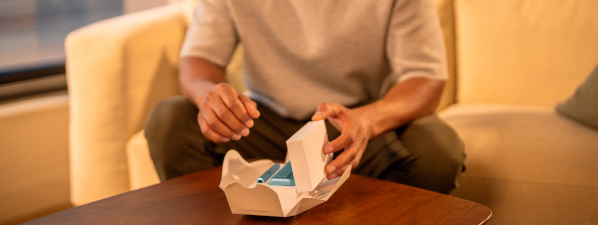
(510, 62)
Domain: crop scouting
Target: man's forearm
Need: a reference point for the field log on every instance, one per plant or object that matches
(197, 76)
(403, 103)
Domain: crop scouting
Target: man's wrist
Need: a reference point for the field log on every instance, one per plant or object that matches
(197, 90)
(381, 116)
(368, 115)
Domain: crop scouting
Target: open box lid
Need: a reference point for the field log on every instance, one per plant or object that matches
(305, 150)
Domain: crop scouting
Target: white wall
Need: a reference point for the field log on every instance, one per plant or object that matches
(34, 158)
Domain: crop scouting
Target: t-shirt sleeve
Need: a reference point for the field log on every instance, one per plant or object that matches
(415, 45)
(211, 34)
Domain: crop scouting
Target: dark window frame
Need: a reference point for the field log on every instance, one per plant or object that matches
(31, 72)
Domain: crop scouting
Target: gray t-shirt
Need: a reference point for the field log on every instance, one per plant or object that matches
(300, 53)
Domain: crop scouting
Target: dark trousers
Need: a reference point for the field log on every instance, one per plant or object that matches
(425, 153)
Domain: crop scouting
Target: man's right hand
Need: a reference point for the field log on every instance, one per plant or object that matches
(225, 114)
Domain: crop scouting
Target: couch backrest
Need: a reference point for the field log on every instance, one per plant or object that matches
(533, 52)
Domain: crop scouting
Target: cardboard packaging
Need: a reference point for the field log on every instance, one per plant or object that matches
(305, 149)
(246, 196)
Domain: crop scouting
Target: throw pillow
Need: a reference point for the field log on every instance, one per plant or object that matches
(583, 105)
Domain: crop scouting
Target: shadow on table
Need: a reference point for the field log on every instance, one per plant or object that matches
(268, 219)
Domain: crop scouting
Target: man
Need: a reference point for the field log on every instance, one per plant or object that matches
(374, 69)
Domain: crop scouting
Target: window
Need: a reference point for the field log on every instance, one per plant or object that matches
(32, 33)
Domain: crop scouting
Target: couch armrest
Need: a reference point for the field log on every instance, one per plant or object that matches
(117, 70)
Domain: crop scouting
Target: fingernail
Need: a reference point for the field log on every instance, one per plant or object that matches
(225, 139)
(331, 169)
(236, 137)
(332, 176)
(316, 116)
(249, 123)
(328, 150)
(245, 132)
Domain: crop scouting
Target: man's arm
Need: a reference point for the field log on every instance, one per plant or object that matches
(403, 103)
(224, 114)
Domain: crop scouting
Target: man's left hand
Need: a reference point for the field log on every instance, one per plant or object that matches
(355, 134)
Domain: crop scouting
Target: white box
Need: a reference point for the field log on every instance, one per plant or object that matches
(305, 150)
(246, 196)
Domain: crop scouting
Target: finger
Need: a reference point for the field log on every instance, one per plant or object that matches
(326, 110)
(342, 141)
(351, 156)
(360, 151)
(360, 144)
(209, 133)
(228, 117)
(339, 171)
(234, 104)
(250, 106)
(342, 160)
(216, 123)
(336, 173)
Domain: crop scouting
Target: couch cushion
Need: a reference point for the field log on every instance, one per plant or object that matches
(528, 164)
(583, 105)
(524, 51)
(523, 142)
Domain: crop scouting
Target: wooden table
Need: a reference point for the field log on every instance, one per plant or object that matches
(197, 199)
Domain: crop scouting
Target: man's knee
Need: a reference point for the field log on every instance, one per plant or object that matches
(165, 130)
(438, 153)
(430, 133)
(169, 114)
